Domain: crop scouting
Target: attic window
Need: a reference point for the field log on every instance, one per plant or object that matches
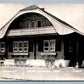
(33, 24)
(28, 24)
(39, 23)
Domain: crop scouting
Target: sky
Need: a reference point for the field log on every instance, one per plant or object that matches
(41, 1)
(73, 14)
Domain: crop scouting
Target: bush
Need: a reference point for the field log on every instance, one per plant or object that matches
(49, 60)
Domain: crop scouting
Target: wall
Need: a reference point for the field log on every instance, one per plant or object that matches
(60, 54)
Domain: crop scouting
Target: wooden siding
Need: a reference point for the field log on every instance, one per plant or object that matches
(21, 22)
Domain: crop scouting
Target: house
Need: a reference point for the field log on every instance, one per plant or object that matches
(33, 33)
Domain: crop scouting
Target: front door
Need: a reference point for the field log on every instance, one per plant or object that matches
(70, 51)
(37, 48)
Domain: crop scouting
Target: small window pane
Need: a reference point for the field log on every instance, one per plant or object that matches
(33, 24)
(15, 44)
(25, 44)
(15, 50)
(20, 44)
(46, 48)
(52, 45)
(46, 44)
(25, 49)
(51, 48)
(2, 50)
(20, 49)
(28, 24)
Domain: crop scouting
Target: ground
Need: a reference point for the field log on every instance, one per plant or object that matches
(41, 74)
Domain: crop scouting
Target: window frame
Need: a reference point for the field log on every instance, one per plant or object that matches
(45, 47)
(54, 46)
(49, 46)
(37, 22)
(26, 46)
(28, 25)
(15, 47)
(22, 47)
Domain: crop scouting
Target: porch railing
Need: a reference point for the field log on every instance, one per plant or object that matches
(31, 31)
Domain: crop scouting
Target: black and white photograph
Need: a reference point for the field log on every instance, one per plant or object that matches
(41, 42)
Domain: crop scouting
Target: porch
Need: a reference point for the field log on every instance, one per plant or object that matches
(30, 50)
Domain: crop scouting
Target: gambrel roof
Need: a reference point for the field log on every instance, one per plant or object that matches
(59, 26)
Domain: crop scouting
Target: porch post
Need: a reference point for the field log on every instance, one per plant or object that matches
(77, 54)
(34, 47)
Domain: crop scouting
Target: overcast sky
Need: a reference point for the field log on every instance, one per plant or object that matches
(73, 14)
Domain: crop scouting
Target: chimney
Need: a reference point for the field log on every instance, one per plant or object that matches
(42, 9)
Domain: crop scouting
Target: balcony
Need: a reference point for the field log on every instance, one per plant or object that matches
(31, 31)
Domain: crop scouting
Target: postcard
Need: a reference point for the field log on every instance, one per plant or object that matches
(41, 42)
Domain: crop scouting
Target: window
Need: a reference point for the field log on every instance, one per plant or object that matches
(46, 45)
(25, 47)
(39, 24)
(28, 24)
(2, 46)
(15, 46)
(49, 45)
(20, 46)
(33, 24)
(52, 45)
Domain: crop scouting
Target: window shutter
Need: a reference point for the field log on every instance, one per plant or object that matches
(58, 44)
(10, 44)
(31, 45)
(40, 45)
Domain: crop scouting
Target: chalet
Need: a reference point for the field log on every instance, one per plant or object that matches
(33, 33)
